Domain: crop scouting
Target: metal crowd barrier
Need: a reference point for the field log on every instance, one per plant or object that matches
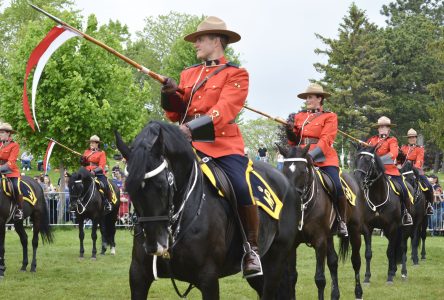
(436, 221)
(60, 214)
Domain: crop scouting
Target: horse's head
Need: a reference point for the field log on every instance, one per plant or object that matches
(297, 166)
(368, 165)
(77, 184)
(150, 184)
(409, 172)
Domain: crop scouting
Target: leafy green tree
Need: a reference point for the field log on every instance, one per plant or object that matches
(396, 11)
(83, 90)
(354, 73)
(260, 131)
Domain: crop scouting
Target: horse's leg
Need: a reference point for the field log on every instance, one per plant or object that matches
(24, 241)
(2, 250)
(112, 235)
(81, 236)
(355, 241)
(94, 238)
(423, 238)
(140, 273)
(415, 244)
(391, 254)
(103, 234)
(35, 244)
(209, 285)
(321, 251)
(332, 263)
(368, 255)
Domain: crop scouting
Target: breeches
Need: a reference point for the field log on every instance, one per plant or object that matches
(333, 172)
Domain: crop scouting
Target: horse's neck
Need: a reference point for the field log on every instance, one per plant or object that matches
(380, 184)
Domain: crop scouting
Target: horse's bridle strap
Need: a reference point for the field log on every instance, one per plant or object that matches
(153, 219)
(157, 170)
(408, 172)
(367, 153)
(296, 159)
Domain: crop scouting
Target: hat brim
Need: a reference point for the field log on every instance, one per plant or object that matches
(233, 37)
(94, 141)
(407, 136)
(9, 130)
(389, 125)
(305, 95)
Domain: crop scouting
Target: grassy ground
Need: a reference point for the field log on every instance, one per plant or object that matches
(61, 275)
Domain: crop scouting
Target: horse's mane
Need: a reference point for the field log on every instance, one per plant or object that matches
(172, 140)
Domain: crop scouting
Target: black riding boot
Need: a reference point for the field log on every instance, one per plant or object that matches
(18, 215)
(251, 264)
(342, 222)
(407, 217)
(107, 207)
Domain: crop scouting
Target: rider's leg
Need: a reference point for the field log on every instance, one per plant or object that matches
(107, 193)
(237, 168)
(429, 193)
(405, 195)
(339, 199)
(18, 215)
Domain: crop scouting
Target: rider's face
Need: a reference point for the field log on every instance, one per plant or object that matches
(384, 129)
(93, 145)
(313, 102)
(205, 47)
(412, 140)
(4, 135)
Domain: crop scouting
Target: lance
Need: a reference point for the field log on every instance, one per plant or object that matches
(66, 147)
(280, 120)
(141, 68)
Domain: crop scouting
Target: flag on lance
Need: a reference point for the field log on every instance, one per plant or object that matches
(40, 56)
(48, 155)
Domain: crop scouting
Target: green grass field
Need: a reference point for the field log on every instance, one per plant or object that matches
(61, 275)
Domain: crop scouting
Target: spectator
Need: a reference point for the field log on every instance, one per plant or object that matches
(280, 161)
(117, 179)
(67, 201)
(51, 199)
(26, 160)
(262, 153)
(435, 221)
(40, 164)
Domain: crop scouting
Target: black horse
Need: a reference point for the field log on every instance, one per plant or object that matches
(39, 217)
(87, 203)
(319, 219)
(383, 208)
(420, 221)
(185, 230)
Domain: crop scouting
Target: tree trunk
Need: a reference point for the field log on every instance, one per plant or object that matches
(436, 163)
(61, 211)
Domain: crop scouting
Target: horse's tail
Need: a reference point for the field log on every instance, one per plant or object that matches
(344, 246)
(399, 246)
(45, 228)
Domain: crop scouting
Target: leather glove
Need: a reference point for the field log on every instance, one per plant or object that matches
(186, 131)
(169, 87)
(92, 173)
(83, 161)
(291, 135)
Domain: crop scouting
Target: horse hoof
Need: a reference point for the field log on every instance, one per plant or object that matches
(423, 258)
(94, 258)
(404, 276)
(389, 282)
(113, 251)
(32, 270)
(102, 253)
(23, 269)
(415, 264)
(81, 258)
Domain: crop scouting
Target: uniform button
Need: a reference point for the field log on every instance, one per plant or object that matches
(214, 86)
(195, 109)
(223, 132)
(200, 97)
(207, 70)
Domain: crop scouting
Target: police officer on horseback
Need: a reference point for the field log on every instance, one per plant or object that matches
(94, 160)
(387, 150)
(214, 93)
(9, 151)
(415, 154)
(318, 128)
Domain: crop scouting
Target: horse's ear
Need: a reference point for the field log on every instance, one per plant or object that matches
(123, 148)
(305, 150)
(357, 146)
(282, 150)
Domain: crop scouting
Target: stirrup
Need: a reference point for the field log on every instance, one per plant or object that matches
(259, 273)
(18, 214)
(407, 219)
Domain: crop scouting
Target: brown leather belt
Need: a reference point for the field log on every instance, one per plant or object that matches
(93, 164)
(2, 162)
(189, 118)
(308, 140)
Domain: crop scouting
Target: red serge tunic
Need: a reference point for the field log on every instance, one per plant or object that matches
(318, 125)
(8, 155)
(415, 154)
(95, 159)
(221, 97)
(387, 145)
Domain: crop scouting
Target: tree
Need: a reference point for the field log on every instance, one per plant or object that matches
(83, 90)
(260, 131)
(396, 11)
(354, 73)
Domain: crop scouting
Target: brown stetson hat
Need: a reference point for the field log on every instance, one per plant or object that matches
(213, 25)
(94, 138)
(384, 121)
(7, 127)
(411, 133)
(314, 89)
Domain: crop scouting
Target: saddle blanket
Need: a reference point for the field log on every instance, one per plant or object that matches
(262, 192)
(348, 192)
(100, 188)
(24, 188)
(396, 188)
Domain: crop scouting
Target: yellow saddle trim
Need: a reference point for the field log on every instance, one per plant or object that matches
(113, 192)
(424, 189)
(32, 199)
(348, 192)
(398, 193)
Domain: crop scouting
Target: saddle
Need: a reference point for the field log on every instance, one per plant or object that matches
(397, 189)
(25, 189)
(330, 189)
(101, 189)
(265, 197)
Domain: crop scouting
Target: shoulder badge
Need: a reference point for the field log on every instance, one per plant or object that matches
(232, 65)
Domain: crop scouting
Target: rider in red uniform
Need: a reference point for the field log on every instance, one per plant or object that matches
(94, 161)
(415, 154)
(387, 150)
(214, 93)
(319, 128)
(9, 151)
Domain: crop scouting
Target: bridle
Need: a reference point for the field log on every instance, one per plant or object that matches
(81, 197)
(415, 183)
(368, 182)
(308, 191)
